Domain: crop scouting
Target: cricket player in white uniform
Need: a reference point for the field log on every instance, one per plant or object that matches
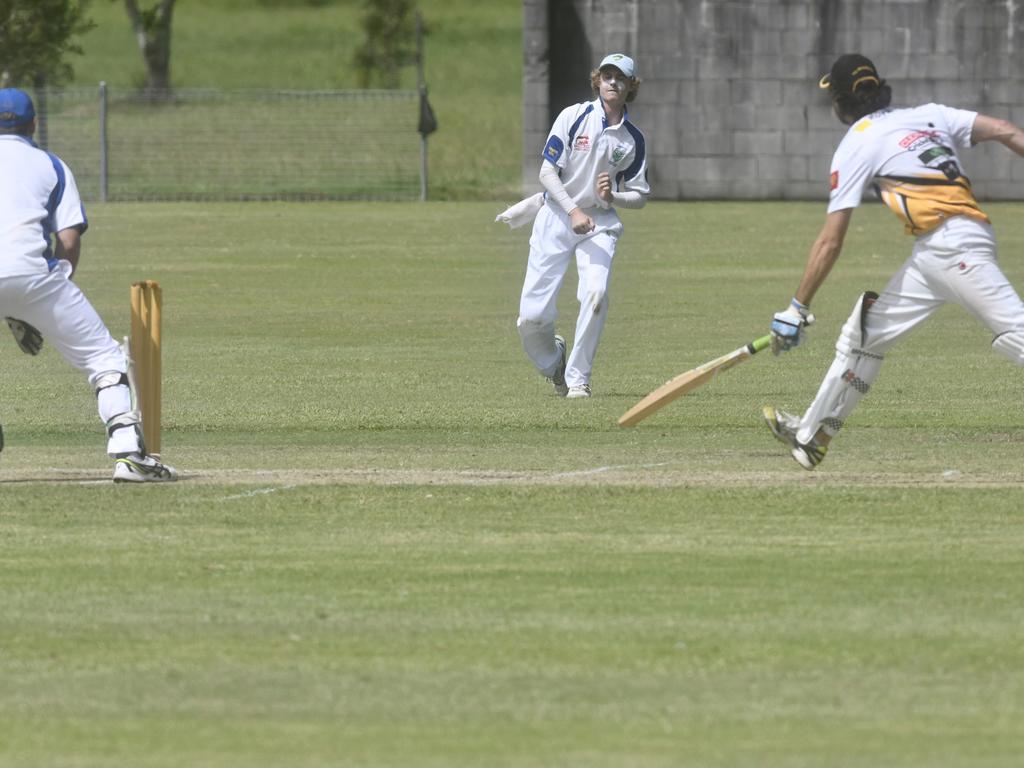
(41, 222)
(912, 155)
(594, 159)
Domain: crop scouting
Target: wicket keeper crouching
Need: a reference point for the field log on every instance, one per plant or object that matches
(39, 196)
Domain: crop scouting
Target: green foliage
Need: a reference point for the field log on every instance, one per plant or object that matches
(473, 69)
(388, 45)
(36, 37)
(152, 27)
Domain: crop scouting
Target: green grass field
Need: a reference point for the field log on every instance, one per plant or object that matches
(393, 546)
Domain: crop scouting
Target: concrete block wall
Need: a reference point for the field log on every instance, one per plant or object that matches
(729, 101)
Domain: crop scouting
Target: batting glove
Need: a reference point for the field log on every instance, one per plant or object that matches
(788, 327)
(28, 337)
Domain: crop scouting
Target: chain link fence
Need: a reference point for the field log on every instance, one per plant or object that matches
(235, 145)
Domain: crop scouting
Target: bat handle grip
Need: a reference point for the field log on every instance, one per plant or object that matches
(758, 344)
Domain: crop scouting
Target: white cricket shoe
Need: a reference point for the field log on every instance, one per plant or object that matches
(579, 391)
(809, 455)
(558, 380)
(140, 468)
(784, 427)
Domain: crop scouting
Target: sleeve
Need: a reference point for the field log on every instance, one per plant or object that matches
(552, 182)
(69, 210)
(851, 173)
(558, 138)
(960, 123)
(634, 177)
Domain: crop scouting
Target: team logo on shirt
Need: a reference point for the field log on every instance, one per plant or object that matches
(582, 143)
(618, 153)
(833, 180)
(916, 139)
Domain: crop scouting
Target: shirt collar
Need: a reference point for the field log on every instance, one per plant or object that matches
(599, 105)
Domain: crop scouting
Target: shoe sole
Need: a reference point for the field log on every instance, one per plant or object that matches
(136, 476)
(772, 420)
(802, 459)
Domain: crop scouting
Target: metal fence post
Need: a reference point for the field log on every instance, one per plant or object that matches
(103, 141)
(42, 112)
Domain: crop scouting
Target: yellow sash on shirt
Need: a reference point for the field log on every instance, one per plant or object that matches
(925, 202)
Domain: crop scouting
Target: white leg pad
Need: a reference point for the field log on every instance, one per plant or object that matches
(1010, 344)
(849, 378)
(123, 422)
(847, 381)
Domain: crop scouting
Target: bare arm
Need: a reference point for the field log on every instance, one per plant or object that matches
(69, 246)
(987, 128)
(824, 254)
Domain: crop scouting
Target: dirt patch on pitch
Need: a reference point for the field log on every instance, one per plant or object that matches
(654, 476)
(599, 477)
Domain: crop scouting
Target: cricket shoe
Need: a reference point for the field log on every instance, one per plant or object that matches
(809, 455)
(141, 468)
(558, 380)
(784, 426)
(578, 392)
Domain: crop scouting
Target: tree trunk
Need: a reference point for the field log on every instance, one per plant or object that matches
(152, 29)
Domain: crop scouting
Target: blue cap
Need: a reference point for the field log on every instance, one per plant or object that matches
(16, 108)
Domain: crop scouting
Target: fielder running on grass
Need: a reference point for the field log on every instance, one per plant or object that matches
(594, 158)
(39, 199)
(911, 155)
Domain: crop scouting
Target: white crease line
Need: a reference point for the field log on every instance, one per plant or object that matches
(257, 492)
(599, 470)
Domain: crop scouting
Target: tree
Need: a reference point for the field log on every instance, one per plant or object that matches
(35, 38)
(152, 27)
(389, 43)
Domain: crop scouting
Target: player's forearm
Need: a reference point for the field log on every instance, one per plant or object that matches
(987, 128)
(629, 199)
(68, 246)
(823, 256)
(552, 182)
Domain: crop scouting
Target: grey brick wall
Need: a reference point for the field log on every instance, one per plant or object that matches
(730, 104)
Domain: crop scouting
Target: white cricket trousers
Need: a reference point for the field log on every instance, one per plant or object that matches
(552, 245)
(955, 263)
(58, 308)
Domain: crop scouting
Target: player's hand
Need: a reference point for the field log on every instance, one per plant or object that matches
(604, 187)
(788, 327)
(580, 222)
(29, 339)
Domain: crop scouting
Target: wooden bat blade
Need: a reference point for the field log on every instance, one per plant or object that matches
(689, 381)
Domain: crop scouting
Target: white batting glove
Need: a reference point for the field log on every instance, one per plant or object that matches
(788, 327)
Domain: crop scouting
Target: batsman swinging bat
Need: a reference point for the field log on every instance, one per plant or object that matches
(687, 382)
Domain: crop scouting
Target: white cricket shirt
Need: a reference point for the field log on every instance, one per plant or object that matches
(582, 145)
(911, 155)
(38, 197)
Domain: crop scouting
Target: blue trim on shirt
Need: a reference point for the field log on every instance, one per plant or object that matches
(50, 222)
(638, 158)
(579, 122)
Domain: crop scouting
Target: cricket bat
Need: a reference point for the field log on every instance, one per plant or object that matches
(691, 380)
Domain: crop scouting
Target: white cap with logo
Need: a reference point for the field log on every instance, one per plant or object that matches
(620, 61)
